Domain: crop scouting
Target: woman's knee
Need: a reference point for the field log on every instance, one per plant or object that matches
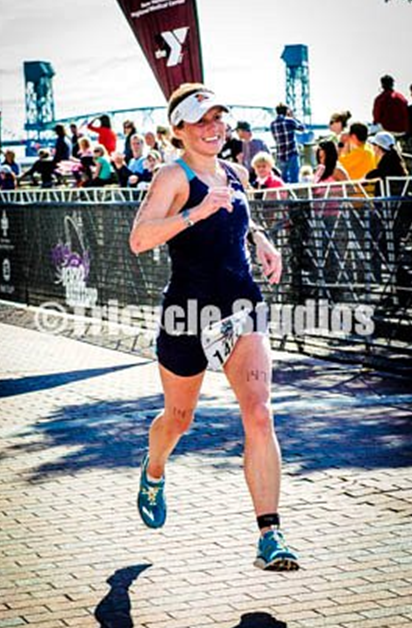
(179, 418)
(257, 419)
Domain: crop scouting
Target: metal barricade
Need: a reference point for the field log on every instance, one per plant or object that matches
(345, 292)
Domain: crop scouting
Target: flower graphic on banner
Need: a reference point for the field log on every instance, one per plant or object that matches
(63, 257)
(72, 265)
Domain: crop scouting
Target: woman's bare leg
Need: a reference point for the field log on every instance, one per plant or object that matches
(249, 372)
(181, 395)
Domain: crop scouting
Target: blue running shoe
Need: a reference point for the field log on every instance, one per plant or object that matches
(151, 501)
(273, 553)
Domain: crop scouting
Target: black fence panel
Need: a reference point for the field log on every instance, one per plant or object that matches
(13, 284)
(349, 263)
(345, 291)
(78, 255)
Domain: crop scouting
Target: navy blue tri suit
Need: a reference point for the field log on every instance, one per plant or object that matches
(210, 263)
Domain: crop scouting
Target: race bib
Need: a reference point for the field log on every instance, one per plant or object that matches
(219, 339)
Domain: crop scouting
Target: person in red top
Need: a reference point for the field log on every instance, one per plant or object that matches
(263, 164)
(266, 177)
(107, 137)
(390, 108)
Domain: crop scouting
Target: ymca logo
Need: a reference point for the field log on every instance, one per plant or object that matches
(175, 40)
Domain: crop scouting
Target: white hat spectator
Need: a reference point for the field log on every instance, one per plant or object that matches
(384, 140)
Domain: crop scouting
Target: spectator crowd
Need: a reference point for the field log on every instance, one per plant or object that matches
(94, 155)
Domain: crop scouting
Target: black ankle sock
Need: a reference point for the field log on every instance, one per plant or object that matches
(265, 521)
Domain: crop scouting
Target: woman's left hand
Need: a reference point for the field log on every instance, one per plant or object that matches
(269, 257)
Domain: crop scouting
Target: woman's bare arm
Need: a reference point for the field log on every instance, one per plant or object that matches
(158, 220)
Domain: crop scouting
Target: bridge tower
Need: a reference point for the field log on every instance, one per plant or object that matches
(297, 81)
(38, 76)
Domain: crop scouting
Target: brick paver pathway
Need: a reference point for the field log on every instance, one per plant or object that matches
(73, 552)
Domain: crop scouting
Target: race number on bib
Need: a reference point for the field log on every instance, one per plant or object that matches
(219, 339)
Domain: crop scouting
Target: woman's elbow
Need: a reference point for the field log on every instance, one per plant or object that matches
(135, 244)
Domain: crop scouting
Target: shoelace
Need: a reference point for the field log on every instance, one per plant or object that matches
(277, 540)
(151, 494)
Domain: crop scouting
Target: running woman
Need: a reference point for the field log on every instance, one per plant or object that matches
(198, 206)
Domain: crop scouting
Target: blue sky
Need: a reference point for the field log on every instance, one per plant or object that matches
(99, 65)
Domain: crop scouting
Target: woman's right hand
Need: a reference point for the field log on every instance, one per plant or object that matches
(216, 199)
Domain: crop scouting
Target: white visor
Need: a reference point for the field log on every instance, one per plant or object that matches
(194, 107)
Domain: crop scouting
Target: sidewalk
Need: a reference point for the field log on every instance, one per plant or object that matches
(73, 552)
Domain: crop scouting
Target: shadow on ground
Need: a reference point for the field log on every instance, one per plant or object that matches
(114, 610)
(33, 383)
(332, 377)
(259, 620)
(319, 428)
